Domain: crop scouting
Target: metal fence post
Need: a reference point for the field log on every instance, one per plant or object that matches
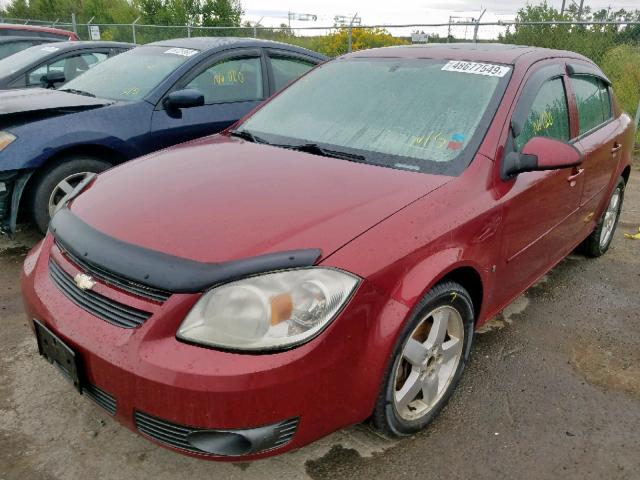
(133, 29)
(74, 25)
(188, 29)
(89, 27)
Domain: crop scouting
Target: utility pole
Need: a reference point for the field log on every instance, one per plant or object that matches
(449, 30)
(350, 32)
(562, 9)
(475, 28)
(580, 10)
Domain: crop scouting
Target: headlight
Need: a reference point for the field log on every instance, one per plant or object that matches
(270, 311)
(5, 139)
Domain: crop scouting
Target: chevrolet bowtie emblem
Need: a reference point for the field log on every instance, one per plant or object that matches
(84, 282)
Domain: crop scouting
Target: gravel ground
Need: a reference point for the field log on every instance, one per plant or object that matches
(552, 389)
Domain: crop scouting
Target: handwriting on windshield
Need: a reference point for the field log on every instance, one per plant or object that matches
(440, 141)
(131, 91)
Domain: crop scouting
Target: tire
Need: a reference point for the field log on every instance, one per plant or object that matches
(600, 239)
(50, 181)
(393, 416)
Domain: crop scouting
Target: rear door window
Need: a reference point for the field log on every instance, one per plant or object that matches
(230, 80)
(549, 115)
(286, 70)
(594, 102)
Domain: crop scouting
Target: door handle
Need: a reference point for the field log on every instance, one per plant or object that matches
(572, 178)
(616, 146)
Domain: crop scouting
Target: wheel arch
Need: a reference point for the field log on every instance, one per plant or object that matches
(445, 265)
(626, 173)
(101, 152)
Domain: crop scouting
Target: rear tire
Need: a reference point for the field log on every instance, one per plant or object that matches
(51, 185)
(427, 362)
(600, 239)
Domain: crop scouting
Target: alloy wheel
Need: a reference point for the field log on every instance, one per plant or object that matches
(64, 188)
(609, 220)
(430, 358)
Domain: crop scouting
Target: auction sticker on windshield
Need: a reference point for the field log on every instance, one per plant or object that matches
(185, 52)
(477, 68)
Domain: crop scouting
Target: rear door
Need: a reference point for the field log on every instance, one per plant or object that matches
(232, 83)
(600, 137)
(540, 223)
(284, 67)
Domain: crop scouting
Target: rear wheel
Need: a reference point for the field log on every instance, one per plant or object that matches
(427, 362)
(600, 239)
(53, 184)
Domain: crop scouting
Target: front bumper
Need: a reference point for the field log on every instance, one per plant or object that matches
(319, 387)
(12, 185)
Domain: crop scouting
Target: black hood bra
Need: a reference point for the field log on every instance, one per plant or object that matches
(160, 270)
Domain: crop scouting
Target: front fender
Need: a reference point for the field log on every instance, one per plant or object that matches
(32, 153)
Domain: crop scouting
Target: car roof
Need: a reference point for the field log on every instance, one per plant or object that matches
(213, 43)
(13, 39)
(36, 28)
(475, 52)
(71, 45)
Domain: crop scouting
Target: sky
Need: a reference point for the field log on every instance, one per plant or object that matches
(406, 11)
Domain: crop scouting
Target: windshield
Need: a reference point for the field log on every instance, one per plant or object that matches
(413, 114)
(25, 58)
(131, 75)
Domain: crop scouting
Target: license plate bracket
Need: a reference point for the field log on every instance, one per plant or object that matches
(56, 352)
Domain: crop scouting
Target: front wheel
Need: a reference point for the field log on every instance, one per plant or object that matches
(600, 239)
(53, 184)
(427, 362)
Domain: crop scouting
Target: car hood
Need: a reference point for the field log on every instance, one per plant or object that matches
(38, 101)
(219, 199)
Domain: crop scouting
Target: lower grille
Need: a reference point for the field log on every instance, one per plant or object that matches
(102, 398)
(102, 307)
(177, 436)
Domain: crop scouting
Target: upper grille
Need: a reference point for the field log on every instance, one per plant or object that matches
(102, 307)
(118, 281)
(176, 435)
(102, 398)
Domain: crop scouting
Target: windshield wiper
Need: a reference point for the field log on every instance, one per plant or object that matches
(78, 92)
(316, 149)
(247, 135)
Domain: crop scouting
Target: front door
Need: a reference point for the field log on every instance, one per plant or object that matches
(540, 208)
(232, 87)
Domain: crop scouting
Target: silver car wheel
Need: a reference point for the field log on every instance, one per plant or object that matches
(64, 188)
(429, 361)
(609, 220)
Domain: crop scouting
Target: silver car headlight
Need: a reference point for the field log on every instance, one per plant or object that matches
(5, 139)
(270, 311)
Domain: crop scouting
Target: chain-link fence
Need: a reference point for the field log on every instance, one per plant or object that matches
(614, 45)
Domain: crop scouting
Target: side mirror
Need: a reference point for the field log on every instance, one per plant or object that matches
(187, 98)
(541, 153)
(51, 78)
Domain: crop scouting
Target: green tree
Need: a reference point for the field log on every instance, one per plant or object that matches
(221, 13)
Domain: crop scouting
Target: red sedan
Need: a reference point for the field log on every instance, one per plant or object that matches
(328, 259)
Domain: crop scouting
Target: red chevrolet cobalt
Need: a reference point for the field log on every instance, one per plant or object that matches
(327, 260)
